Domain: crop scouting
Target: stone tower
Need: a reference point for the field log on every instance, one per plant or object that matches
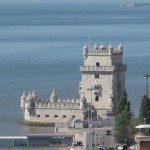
(103, 77)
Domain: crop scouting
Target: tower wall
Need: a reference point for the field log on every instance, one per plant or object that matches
(54, 115)
(104, 72)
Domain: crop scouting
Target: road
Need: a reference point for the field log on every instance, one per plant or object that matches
(100, 138)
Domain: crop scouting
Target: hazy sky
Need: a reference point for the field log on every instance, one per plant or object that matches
(74, 1)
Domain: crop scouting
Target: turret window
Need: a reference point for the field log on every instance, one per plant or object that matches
(96, 98)
(96, 76)
(96, 87)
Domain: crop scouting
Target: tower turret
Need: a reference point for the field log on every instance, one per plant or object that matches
(34, 96)
(102, 46)
(29, 101)
(120, 47)
(85, 51)
(110, 48)
(104, 70)
(82, 102)
(96, 47)
(23, 101)
(53, 97)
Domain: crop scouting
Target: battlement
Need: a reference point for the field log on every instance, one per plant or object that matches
(102, 50)
(61, 104)
(31, 101)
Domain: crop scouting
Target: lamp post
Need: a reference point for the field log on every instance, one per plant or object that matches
(88, 110)
(146, 77)
(90, 122)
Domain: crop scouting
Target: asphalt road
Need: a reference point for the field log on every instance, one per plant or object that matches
(100, 138)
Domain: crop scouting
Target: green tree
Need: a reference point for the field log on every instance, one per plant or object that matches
(145, 110)
(121, 105)
(124, 123)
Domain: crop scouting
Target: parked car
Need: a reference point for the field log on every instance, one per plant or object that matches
(108, 132)
(133, 147)
(101, 147)
(120, 147)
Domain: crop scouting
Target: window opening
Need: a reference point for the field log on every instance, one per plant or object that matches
(96, 75)
(56, 116)
(64, 117)
(97, 64)
(96, 98)
(46, 116)
(38, 116)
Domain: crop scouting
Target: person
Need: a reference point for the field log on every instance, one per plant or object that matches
(124, 147)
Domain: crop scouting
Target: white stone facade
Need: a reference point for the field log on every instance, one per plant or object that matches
(102, 83)
(104, 71)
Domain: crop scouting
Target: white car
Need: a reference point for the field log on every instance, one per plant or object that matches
(120, 147)
(133, 147)
(100, 147)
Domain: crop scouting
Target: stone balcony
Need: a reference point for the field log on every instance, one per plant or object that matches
(103, 68)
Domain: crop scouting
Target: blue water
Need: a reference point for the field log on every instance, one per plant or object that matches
(41, 48)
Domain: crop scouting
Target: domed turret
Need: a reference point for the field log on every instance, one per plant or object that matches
(85, 51)
(34, 96)
(110, 47)
(53, 97)
(85, 47)
(102, 46)
(23, 99)
(96, 47)
(120, 47)
(29, 101)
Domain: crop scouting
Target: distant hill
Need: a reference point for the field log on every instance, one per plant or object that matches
(135, 5)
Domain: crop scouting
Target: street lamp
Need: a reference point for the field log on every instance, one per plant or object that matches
(146, 77)
(88, 110)
(90, 122)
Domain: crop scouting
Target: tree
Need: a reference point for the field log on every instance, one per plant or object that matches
(121, 105)
(124, 123)
(145, 110)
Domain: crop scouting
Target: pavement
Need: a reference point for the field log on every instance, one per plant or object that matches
(99, 138)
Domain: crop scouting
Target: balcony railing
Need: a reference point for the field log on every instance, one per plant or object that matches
(103, 68)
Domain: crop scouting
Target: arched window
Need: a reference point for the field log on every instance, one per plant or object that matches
(96, 87)
(96, 75)
(96, 98)
(97, 64)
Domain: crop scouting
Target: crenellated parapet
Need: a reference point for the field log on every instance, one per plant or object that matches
(61, 104)
(31, 101)
(101, 50)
